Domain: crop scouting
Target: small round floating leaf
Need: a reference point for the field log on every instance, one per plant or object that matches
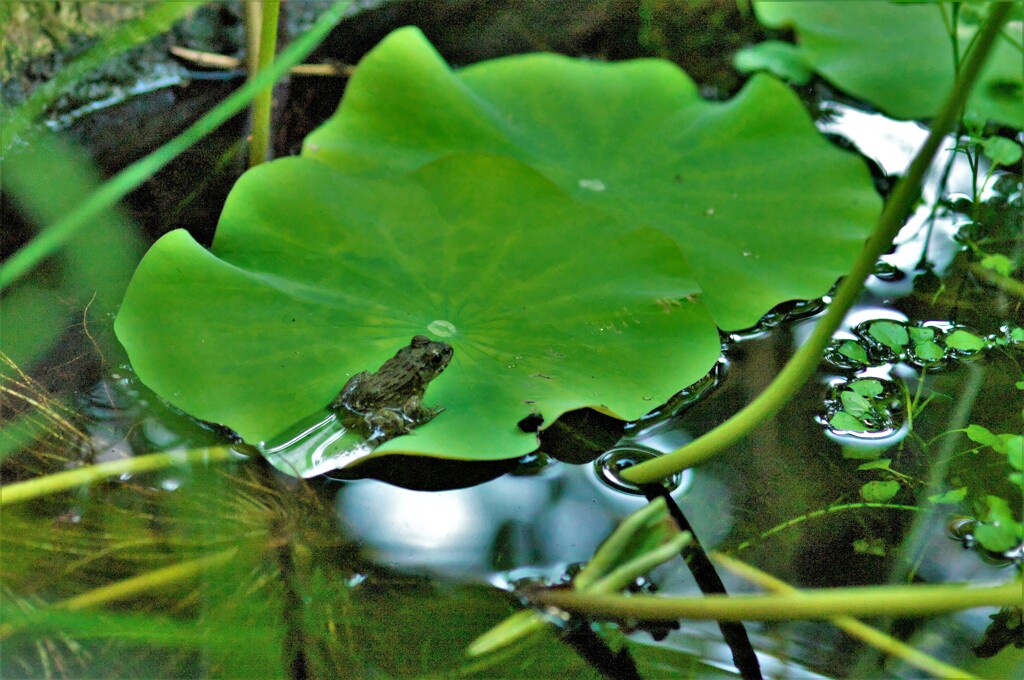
(763, 207)
(879, 492)
(965, 341)
(868, 387)
(928, 351)
(891, 334)
(921, 333)
(845, 422)
(854, 350)
(314, 276)
(854, 404)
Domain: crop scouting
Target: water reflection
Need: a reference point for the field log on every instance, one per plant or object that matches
(490, 531)
(927, 234)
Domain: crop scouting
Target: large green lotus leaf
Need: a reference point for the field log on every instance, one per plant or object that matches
(315, 275)
(765, 209)
(899, 56)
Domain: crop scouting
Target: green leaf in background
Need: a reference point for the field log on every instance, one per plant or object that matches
(880, 464)
(32, 318)
(870, 546)
(998, 263)
(550, 305)
(854, 452)
(984, 436)
(778, 58)
(1015, 451)
(763, 207)
(899, 57)
(951, 497)
(1001, 151)
(879, 492)
(1000, 531)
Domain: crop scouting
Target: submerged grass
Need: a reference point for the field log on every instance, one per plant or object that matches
(70, 479)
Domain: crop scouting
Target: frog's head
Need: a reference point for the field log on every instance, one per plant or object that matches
(433, 356)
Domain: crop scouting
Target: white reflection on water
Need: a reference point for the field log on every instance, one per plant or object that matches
(445, 532)
(538, 524)
(892, 144)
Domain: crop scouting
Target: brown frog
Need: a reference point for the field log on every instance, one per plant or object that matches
(389, 403)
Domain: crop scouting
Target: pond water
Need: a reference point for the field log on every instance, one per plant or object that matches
(394, 568)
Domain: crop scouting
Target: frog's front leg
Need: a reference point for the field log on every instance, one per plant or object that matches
(417, 412)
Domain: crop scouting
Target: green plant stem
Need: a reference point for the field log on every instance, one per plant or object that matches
(600, 575)
(611, 552)
(1005, 283)
(823, 603)
(262, 104)
(158, 578)
(629, 572)
(852, 626)
(516, 627)
(806, 360)
(123, 37)
(62, 481)
(788, 524)
(57, 234)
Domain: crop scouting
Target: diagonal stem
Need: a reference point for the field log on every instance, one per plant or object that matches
(805, 361)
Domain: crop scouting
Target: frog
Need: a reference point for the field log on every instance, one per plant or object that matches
(389, 403)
